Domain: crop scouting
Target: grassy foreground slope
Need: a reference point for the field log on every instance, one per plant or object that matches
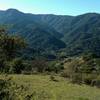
(61, 90)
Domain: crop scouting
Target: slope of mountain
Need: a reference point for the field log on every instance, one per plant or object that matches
(60, 23)
(75, 33)
(80, 33)
(38, 35)
(84, 34)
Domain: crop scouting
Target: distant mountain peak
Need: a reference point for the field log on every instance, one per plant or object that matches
(11, 10)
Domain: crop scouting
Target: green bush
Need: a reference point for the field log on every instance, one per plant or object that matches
(96, 82)
(16, 66)
(54, 67)
(77, 78)
(11, 91)
(8, 88)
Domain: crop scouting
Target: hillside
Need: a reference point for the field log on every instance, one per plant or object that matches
(42, 87)
(80, 33)
(39, 36)
(60, 23)
(84, 34)
(73, 34)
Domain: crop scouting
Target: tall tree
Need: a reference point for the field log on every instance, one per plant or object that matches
(10, 45)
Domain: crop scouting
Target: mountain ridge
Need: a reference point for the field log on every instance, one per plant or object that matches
(69, 32)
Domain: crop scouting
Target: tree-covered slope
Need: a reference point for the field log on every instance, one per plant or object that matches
(61, 23)
(79, 33)
(36, 33)
(84, 34)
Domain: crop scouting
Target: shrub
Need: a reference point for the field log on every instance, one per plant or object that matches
(54, 67)
(11, 91)
(7, 89)
(77, 78)
(89, 78)
(39, 65)
(65, 74)
(96, 82)
(16, 66)
(53, 78)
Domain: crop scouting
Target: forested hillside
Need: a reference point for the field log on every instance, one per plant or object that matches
(76, 34)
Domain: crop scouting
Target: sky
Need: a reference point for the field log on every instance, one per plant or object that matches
(59, 7)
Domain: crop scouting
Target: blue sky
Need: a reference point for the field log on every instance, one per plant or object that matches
(59, 7)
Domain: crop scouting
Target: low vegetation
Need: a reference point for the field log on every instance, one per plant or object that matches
(83, 70)
(41, 87)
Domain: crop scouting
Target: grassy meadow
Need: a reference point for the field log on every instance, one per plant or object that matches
(43, 88)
